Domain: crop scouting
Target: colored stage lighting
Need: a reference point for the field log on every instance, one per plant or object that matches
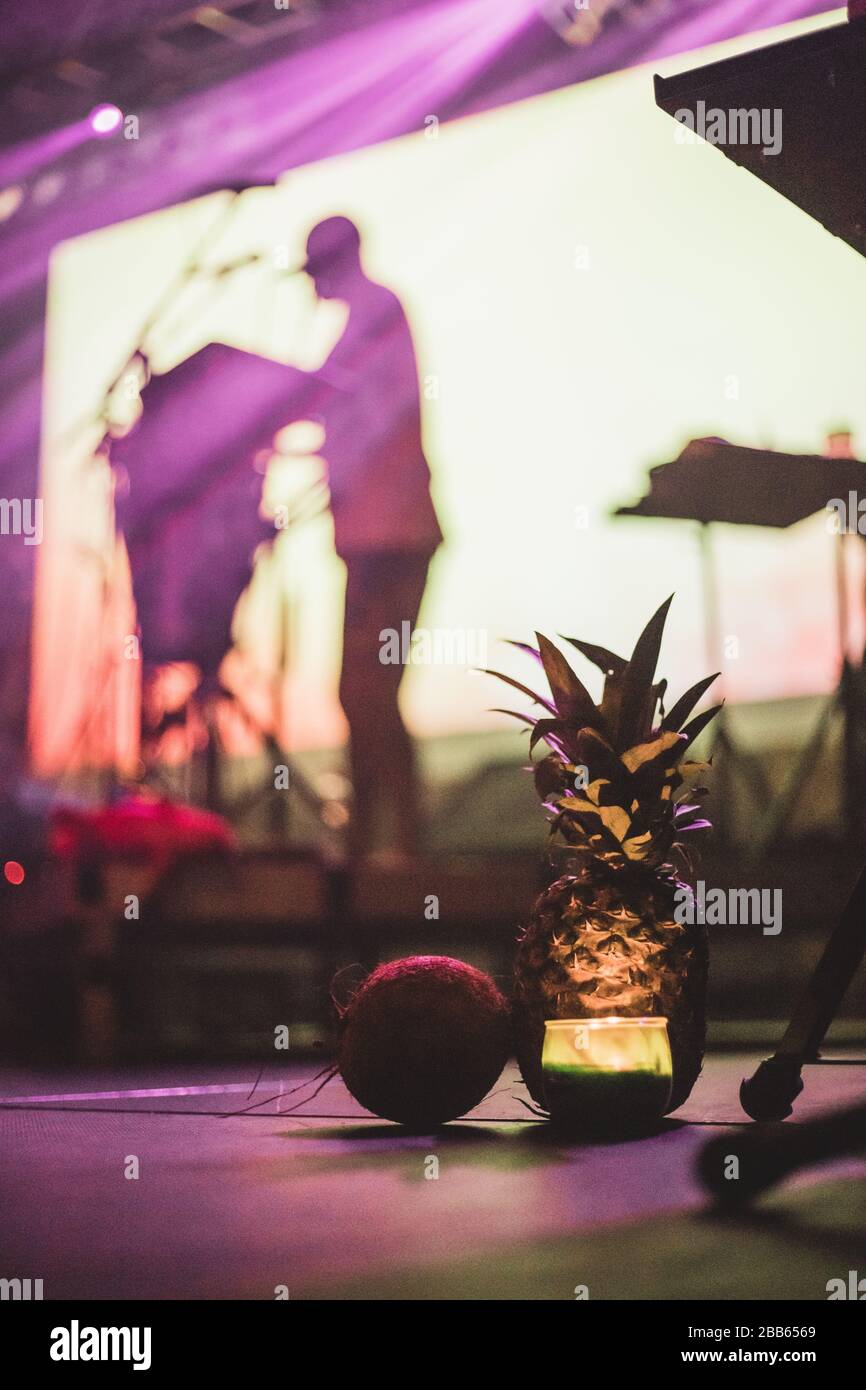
(11, 199)
(105, 119)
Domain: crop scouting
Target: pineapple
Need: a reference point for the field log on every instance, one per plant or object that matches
(603, 940)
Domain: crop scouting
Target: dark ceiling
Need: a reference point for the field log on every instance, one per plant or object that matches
(37, 35)
(59, 58)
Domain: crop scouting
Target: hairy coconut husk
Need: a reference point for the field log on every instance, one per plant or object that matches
(423, 1040)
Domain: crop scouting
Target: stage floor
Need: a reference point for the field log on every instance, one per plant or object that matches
(332, 1204)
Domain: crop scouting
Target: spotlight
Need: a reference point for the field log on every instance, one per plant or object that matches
(105, 119)
(13, 872)
(11, 199)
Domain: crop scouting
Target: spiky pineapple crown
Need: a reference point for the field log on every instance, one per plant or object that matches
(611, 777)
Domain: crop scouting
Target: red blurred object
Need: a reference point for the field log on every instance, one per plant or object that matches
(159, 831)
(13, 872)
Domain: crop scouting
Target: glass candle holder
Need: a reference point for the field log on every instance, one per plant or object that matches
(607, 1074)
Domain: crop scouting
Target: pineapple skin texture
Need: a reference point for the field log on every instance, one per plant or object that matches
(606, 944)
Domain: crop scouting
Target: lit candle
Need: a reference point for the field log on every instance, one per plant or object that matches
(606, 1074)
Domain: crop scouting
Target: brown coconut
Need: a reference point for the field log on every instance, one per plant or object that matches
(423, 1040)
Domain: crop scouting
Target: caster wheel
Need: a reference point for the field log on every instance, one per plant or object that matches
(771, 1092)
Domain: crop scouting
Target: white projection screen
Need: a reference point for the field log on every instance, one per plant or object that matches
(552, 258)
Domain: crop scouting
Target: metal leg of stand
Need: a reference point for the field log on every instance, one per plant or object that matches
(842, 699)
(780, 814)
(212, 780)
(769, 1094)
(712, 639)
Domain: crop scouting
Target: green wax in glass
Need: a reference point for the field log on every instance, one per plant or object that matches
(592, 1098)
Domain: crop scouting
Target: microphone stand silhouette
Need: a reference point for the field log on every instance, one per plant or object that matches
(770, 1093)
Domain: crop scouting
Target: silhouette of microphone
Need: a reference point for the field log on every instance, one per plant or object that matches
(216, 272)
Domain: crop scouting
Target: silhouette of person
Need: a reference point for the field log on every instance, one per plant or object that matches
(385, 526)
